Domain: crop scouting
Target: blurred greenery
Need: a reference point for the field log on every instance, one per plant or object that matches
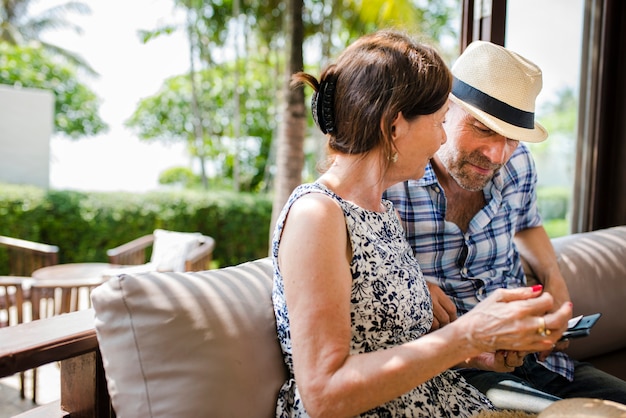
(554, 203)
(556, 227)
(75, 105)
(554, 159)
(85, 224)
(167, 116)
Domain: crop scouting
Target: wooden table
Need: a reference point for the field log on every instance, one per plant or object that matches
(75, 281)
(90, 272)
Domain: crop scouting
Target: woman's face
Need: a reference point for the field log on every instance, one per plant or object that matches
(417, 141)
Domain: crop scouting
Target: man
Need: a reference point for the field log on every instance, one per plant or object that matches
(474, 212)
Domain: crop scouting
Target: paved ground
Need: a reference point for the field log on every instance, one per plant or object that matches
(48, 386)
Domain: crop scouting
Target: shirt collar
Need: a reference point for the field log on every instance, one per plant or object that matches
(429, 177)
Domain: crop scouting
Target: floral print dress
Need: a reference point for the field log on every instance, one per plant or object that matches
(390, 305)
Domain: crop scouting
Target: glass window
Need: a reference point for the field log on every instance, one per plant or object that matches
(549, 33)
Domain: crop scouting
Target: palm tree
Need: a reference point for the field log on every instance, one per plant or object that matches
(290, 149)
(19, 27)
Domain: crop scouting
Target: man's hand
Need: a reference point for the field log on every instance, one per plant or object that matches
(444, 310)
(501, 361)
(560, 346)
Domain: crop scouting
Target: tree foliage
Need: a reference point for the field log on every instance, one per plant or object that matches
(167, 117)
(255, 33)
(19, 26)
(75, 107)
(561, 115)
(26, 60)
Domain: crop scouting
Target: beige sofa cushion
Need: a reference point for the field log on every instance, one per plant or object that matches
(594, 267)
(190, 344)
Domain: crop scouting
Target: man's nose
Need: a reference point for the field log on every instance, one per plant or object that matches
(496, 150)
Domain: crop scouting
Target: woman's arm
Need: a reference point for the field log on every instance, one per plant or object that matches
(314, 258)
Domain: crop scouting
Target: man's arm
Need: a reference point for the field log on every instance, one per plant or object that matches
(535, 246)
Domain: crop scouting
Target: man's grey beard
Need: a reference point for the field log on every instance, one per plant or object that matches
(473, 182)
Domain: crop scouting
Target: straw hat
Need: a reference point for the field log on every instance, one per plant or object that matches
(584, 408)
(499, 87)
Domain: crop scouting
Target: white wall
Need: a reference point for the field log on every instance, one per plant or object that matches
(26, 123)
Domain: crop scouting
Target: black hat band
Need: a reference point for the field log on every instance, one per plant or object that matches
(493, 106)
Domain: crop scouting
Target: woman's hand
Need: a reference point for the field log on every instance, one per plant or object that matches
(520, 319)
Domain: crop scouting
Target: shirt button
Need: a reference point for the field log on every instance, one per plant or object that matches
(464, 271)
(437, 189)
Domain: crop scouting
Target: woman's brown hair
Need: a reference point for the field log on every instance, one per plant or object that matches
(373, 80)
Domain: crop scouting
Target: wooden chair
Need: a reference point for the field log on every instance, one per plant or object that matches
(24, 258)
(51, 297)
(11, 300)
(135, 252)
(27, 256)
(48, 298)
(12, 310)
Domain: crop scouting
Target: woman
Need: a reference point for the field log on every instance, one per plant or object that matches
(352, 307)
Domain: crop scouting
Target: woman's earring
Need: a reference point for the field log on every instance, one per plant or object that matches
(393, 157)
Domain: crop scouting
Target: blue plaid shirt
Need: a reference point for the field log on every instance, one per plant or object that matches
(469, 266)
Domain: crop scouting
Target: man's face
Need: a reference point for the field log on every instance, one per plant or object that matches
(473, 152)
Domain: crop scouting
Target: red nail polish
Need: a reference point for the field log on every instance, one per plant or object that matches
(537, 288)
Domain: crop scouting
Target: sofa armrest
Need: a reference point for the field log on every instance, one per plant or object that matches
(71, 340)
(594, 267)
(32, 344)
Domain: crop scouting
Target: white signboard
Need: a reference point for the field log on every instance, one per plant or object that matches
(26, 123)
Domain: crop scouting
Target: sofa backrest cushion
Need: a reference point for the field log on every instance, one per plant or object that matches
(190, 344)
(594, 267)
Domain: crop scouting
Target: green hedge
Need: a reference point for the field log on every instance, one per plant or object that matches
(553, 202)
(85, 224)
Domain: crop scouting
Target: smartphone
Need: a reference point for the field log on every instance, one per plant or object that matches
(580, 326)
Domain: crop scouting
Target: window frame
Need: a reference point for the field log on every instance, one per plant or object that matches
(599, 195)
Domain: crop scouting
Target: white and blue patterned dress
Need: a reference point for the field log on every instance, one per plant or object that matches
(390, 305)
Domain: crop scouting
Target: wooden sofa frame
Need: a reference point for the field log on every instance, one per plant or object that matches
(71, 340)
